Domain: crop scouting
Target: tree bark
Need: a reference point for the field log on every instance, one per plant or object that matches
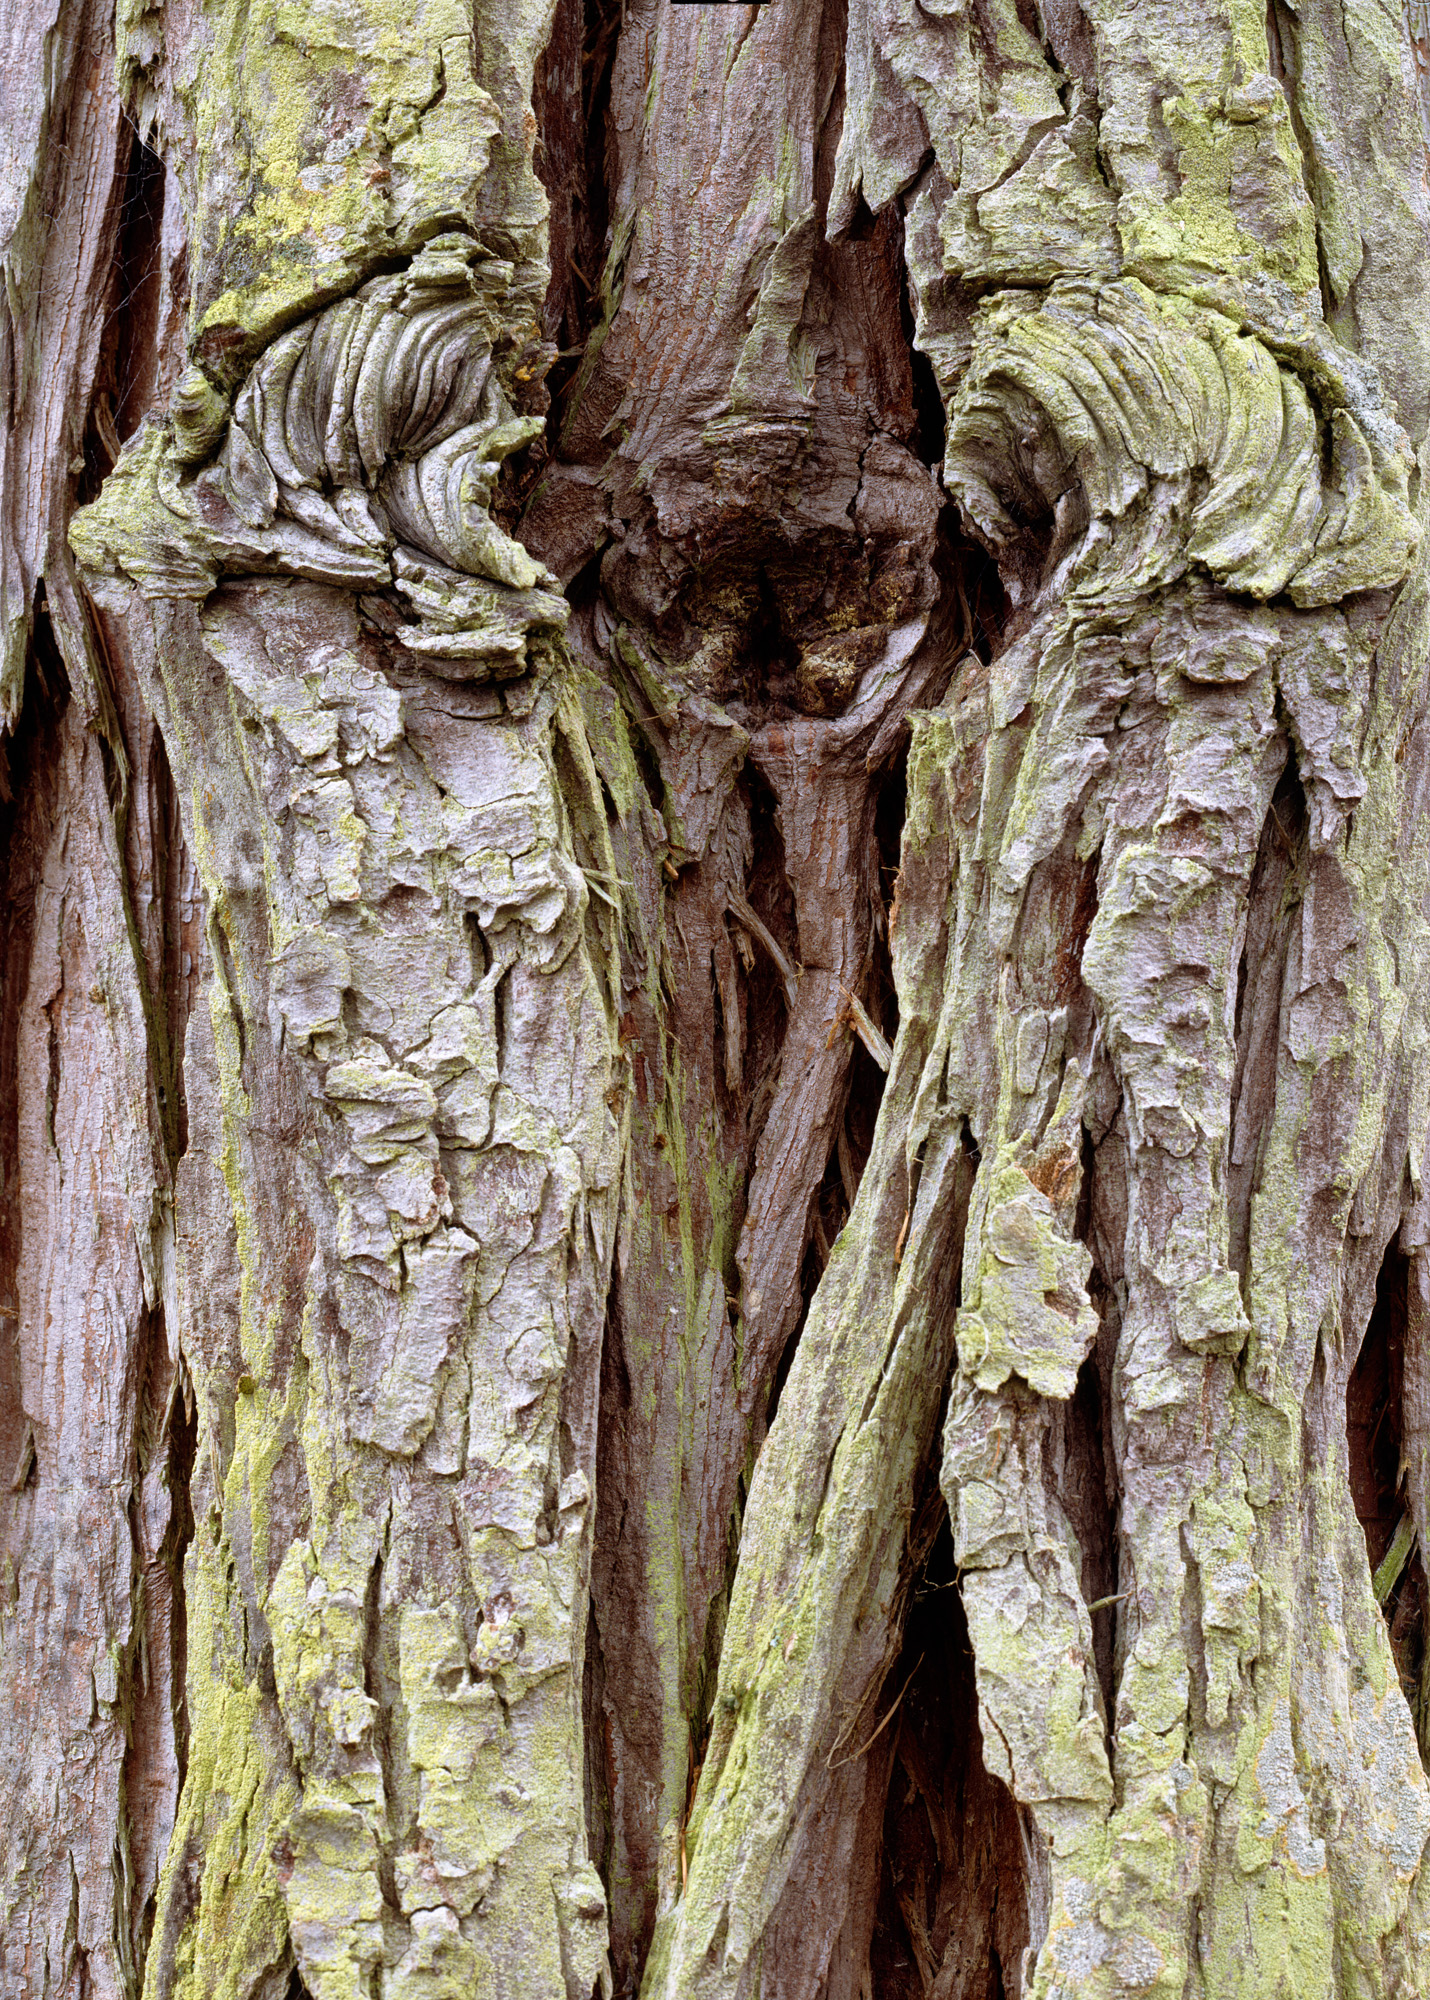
(714, 1271)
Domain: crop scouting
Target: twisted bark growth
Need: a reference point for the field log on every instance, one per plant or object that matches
(1144, 454)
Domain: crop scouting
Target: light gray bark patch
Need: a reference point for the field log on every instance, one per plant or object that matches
(450, 1163)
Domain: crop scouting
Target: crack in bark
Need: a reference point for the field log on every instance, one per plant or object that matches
(1379, 1458)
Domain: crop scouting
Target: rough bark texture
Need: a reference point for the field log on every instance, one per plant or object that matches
(715, 1004)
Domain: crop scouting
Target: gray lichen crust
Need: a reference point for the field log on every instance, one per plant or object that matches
(397, 1216)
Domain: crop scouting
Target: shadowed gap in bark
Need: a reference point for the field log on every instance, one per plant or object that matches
(571, 98)
(381, 1685)
(129, 353)
(835, 1196)
(1375, 1442)
(845, 1850)
(571, 94)
(598, 1763)
(29, 776)
(602, 1774)
(950, 1918)
(931, 432)
(183, 1443)
(984, 597)
(1095, 1506)
(746, 597)
(1081, 1456)
(156, 1752)
(768, 892)
(164, 900)
(1276, 889)
(571, 91)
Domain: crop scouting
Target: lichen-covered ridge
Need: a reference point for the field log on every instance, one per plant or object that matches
(410, 1344)
(1148, 455)
(397, 1212)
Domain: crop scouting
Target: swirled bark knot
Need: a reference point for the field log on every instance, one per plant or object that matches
(1187, 442)
(361, 450)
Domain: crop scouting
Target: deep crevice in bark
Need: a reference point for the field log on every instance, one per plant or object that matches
(767, 891)
(844, 1847)
(950, 1918)
(183, 1444)
(930, 417)
(167, 914)
(972, 580)
(156, 1752)
(601, 1708)
(1094, 1501)
(129, 352)
(1081, 1454)
(596, 1757)
(571, 99)
(381, 1688)
(29, 787)
(571, 90)
(1275, 891)
(1375, 1439)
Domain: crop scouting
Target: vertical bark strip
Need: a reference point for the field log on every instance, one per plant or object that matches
(91, 1383)
(1160, 425)
(398, 1199)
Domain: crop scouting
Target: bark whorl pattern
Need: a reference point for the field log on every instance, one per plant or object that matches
(362, 450)
(1140, 395)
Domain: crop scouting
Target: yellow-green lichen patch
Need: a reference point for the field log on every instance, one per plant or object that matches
(329, 136)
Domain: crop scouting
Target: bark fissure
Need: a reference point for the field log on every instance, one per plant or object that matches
(1378, 1465)
(952, 1916)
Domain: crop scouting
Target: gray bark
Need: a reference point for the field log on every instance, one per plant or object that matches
(714, 1017)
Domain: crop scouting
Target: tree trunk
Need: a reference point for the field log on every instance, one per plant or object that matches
(715, 1009)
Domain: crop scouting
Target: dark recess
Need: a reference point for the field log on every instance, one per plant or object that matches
(951, 1914)
(183, 1443)
(768, 892)
(125, 377)
(1278, 882)
(29, 784)
(1090, 1487)
(931, 422)
(1090, 1501)
(1375, 1421)
(571, 97)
